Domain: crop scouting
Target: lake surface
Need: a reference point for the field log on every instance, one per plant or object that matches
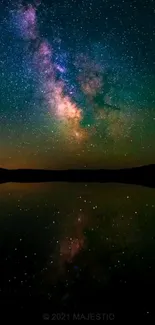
(77, 247)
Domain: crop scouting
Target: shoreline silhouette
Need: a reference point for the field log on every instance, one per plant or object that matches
(143, 175)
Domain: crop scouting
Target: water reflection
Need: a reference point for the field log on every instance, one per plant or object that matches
(68, 242)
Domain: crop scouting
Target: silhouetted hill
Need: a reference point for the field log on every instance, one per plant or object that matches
(144, 175)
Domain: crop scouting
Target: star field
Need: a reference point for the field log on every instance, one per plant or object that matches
(77, 83)
(98, 238)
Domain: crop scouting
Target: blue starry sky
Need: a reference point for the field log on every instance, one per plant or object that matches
(117, 37)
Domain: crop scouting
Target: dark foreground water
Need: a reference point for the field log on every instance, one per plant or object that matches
(77, 251)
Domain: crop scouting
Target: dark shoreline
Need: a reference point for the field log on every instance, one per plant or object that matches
(144, 175)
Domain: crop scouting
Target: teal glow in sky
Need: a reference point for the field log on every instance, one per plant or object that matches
(77, 84)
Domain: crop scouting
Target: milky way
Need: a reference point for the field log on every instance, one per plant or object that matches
(91, 77)
(77, 84)
(60, 105)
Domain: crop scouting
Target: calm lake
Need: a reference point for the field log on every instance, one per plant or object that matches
(77, 247)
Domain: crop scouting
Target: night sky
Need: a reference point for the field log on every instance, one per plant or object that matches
(77, 83)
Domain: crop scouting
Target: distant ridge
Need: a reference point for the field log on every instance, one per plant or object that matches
(143, 175)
